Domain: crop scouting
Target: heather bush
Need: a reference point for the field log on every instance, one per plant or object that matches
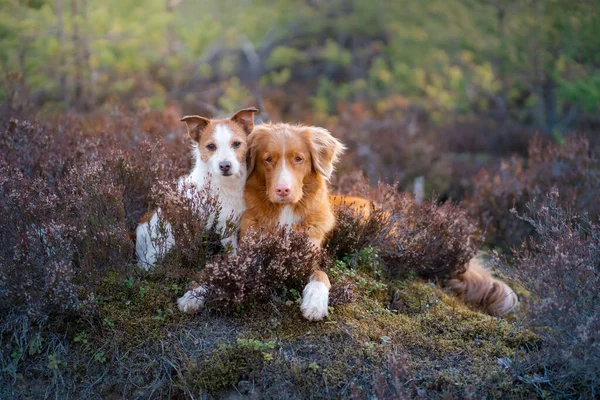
(35, 151)
(561, 267)
(572, 167)
(91, 199)
(400, 148)
(190, 215)
(431, 241)
(35, 267)
(139, 173)
(356, 230)
(58, 242)
(69, 203)
(263, 265)
(343, 290)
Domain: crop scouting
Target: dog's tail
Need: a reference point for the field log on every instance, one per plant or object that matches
(477, 285)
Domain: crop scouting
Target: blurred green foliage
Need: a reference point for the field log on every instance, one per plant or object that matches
(535, 61)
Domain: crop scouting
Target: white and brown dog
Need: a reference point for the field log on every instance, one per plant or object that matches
(219, 147)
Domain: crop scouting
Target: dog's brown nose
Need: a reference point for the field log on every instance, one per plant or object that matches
(283, 190)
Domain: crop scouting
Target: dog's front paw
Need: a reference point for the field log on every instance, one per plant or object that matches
(315, 299)
(193, 300)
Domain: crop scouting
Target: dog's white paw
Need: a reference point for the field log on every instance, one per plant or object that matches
(315, 299)
(192, 300)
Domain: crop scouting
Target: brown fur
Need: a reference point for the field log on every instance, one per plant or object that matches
(476, 285)
(359, 205)
(309, 154)
(321, 276)
(309, 199)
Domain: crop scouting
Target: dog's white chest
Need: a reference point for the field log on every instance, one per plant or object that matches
(232, 207)
(287, 217)
(228, 191)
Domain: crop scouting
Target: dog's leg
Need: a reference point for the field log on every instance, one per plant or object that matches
(146, 256)
(193, 300)
(315, 297)
(154, 239)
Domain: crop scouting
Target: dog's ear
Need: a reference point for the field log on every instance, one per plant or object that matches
(245, 118)
(195, 125)
(251, 154)
(325, 150)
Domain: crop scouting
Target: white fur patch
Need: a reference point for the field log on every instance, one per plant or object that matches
(222, 136)
(315, 300)
(285, 178)
(287, 217)
(153, 240)
(192, 300)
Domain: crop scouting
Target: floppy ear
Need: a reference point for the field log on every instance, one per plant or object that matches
(195, 125)
(251, 154)
(245, 118)
(325, 150)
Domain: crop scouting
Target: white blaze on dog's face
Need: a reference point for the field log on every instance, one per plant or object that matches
(222, 143)
(291, 157)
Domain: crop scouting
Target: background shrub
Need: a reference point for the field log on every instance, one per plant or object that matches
(357, 230)
(59, 241)
(572, 167)
(561, 267)
(429, 240)
(69, 204)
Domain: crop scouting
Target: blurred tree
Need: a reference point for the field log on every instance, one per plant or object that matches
(59, 7)
(78, 64)
(530, 61)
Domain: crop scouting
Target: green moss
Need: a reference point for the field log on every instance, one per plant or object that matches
(444, 345)
(436, 332)
(138, 311)
(227, 365)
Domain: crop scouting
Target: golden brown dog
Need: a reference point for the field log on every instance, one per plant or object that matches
(288, 169)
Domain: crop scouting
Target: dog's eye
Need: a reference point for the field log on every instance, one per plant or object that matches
(298, 159)
(236, 144)
(211, 147)
(268, 159)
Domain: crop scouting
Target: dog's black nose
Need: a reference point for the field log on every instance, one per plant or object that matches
(225, 166)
